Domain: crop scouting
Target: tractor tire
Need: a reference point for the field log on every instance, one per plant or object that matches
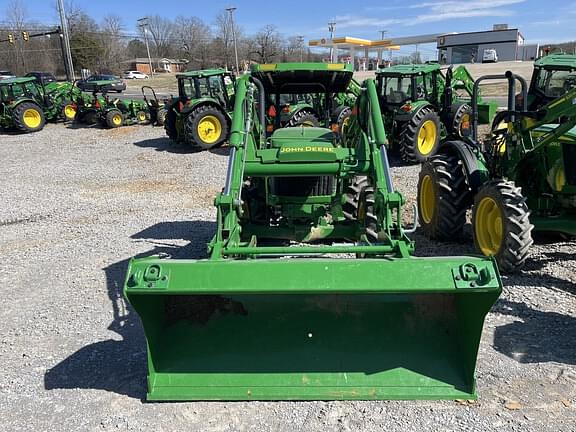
(420, 137)
(90, 117)
(68, 111)
(366, 214)
(28, 117)
(303, 118)
(501, 224)
(114, 118)
(142, 117)
(206, 127)
(460, 121)
(170, 125)
(343, 119)
(352, 197)
(443, 198)
(161, 117)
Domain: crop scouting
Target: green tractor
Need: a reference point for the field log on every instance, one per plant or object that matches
(421, 106)
(201, 114)
(522, 178)
(300, 299)
(26, 105)
(113, 113)
(553, 76)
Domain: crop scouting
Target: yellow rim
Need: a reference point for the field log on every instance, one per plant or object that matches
(559, 179)
(501, 141)
(69, 111)
(32, 118)
(209, 129)
(427, 137)
(427, 199)
(117, 119)
(465, 125)
(141, 116)
(307, 123)
(489, 226)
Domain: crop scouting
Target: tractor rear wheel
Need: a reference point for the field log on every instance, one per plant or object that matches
(114, 118)
(28, 117)
(460, 124)
(161, 117)
(421, 136)
(303, 118)
(501, 224)
(206, 127)
(343, 119)
(68, 112)
(142, 117)
(170, 125)
(443, 198)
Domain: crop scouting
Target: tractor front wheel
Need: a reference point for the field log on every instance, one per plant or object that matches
(352, 197)
(114, 118)
(142, 117)
(206, 127)
(420, 138)
(443, 197)
(501, 224)
(460, 121)
(68, 112)
(28, 117)
(161, 117)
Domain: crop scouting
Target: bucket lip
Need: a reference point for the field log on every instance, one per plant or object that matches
(414, 275)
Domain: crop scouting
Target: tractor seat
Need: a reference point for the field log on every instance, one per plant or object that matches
(303, 135)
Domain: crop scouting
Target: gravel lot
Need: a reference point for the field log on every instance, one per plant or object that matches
(77, 203)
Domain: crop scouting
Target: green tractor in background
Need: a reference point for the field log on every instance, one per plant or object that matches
(523, 177)
(299, 300)
(113, 113)
(421, 106)
(25, 105)
(156, 110)
(201, 114)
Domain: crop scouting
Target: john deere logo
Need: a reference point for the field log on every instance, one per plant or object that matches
(306, 149)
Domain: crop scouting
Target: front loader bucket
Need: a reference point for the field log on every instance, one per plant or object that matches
(312, 329)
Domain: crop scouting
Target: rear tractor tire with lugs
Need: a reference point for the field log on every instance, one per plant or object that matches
(420, 137)
(28, 117)
(206, 127)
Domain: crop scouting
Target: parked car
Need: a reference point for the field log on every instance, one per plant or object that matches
(4, 74)
(42, 77)
(490, 56)
(118, 85)
(135, 75)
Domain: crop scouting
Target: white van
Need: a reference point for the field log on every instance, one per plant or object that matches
(490, 56)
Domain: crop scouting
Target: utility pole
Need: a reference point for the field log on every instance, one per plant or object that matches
(144, 26)
(382, 34)
(66, 40)
(332, 29)
(301, 45)
(230, 11)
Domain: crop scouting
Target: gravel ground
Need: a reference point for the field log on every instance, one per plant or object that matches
(78, 203)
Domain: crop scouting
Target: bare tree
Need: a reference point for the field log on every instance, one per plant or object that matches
(193, 38)
(161, 29)
(266, 45)
(112, 45)
(16, 13)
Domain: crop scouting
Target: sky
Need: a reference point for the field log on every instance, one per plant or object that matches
(540, 21)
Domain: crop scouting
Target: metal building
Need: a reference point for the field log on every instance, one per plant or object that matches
(469, 47)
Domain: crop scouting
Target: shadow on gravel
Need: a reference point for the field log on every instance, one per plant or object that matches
(119, 365)
(537, 337)
(165, 144)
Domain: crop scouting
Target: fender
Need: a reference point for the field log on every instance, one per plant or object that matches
(205, 102)
(472, 160)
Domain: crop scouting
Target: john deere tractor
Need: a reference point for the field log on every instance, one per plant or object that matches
(300, 298)
(26, 106)
(522, 178)
(113, 113)
(421, 105)
(201, 114)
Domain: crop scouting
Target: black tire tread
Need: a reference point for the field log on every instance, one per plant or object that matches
(517, 227)
(301, 117)
(409, 135)
(190, 132)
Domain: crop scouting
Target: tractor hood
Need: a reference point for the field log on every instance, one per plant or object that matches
(293, 78)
